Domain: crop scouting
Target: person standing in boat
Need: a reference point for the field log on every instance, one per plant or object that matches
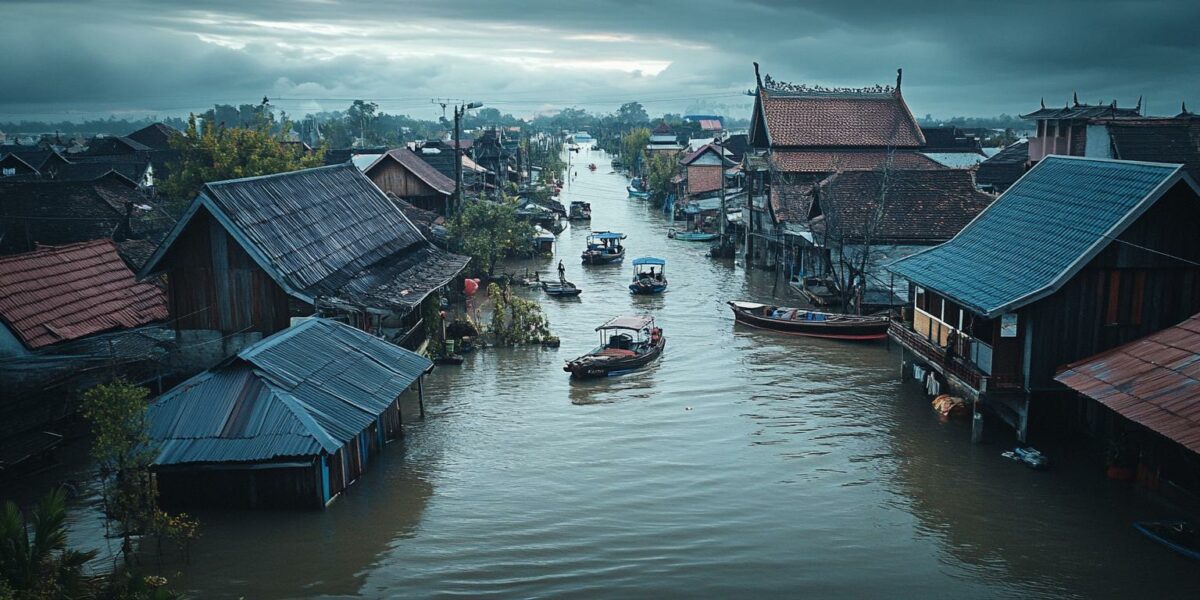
(562, 272)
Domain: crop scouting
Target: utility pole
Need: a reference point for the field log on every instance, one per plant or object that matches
(459, 111)
(721, 159)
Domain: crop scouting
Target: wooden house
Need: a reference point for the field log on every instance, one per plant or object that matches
(250, 254)
(290, 421)
(800, 135)
(1079, 256)
(403, 173)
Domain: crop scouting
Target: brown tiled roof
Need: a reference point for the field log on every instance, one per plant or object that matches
(790, 202)
(830, 120)
(918, 206)
(423, 170)
(68, 292)
(1153, 381)
(826, 161)
(1168, 141)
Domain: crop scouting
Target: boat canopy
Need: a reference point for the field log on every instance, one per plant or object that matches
(649, 260)
(634, 322)
(607, 235)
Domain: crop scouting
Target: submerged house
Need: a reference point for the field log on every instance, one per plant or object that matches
(801, 134)
(1144, 397)
(250, 254)
(1079, 256)
(71, 317)
(291, 420)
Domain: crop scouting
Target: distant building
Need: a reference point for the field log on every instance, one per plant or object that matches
(663, 141)
(1079, 256)
(290, 421)
(999, 172)
(404, 173)
(250, 254)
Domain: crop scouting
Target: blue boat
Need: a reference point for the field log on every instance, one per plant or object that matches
(649, 276)
(603, 247)
(637, 189)
(1178, 535)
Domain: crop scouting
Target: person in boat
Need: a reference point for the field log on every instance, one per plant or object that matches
(562, 272)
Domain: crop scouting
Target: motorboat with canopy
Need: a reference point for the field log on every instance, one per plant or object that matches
(626, 343)
(604, 247)
(649, 275)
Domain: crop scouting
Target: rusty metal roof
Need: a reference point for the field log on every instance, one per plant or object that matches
(1153, 381)
(68, 292)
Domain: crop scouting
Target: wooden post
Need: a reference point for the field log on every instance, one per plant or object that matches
(421, 394)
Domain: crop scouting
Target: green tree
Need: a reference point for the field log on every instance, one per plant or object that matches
(660, 170)
(633, 147)
(123, 453)
(632, 113)
(516, 320)
(216, 153)
(39, 566)
(486, 231)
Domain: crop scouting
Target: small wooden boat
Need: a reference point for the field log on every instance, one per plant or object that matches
(692, 236)
(449, 359)
(1178, 535)
(798, 321)
(649, 276)
(603, 247)
(637, 189)
(626, 343)
(580, 211)
(640, 195)
(561, 289)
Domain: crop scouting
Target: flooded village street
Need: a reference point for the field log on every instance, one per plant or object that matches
(743, 464)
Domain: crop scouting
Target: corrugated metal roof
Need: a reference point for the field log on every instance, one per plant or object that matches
(1039, 233)
(309, 388)
(65, 293)
(1153, 381)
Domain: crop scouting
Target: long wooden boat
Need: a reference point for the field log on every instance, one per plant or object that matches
(1178, 535)
(692, 236)
(798, 321)
(626, 343)
(561, 289)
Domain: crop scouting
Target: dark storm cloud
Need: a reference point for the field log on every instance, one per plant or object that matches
(969, 57)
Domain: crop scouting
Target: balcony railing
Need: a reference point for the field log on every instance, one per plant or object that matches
(936, 356)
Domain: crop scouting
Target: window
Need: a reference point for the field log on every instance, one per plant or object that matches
(9, 171)
(1124, 296)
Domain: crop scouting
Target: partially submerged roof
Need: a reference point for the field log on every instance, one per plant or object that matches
(830, 119)
(325, 231)
(1153, 381)
(1040, 232)
(305, 390)
(635, 322)
(918, 207)
(828, 161)
(68, 292)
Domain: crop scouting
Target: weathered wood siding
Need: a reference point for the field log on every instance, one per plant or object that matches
(1145, 291)
(214, 284)
(392, 177)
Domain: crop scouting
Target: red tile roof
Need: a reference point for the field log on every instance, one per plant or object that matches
(1153, 381)
(830, 120)
(423, 170)
(68, 292)
(824, 161)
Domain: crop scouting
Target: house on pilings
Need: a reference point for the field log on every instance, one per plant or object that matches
(1079, 256)
(290, 421)
(250, 254)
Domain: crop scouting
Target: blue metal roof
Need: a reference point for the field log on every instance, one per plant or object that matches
(304, 390)
(649, 260)
(1040, 232)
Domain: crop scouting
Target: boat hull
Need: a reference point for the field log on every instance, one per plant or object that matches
(845, 328)
(600, 258)
(637, 288)
(560, 291)
(582, 368)
(685, 236)
(1164, 533)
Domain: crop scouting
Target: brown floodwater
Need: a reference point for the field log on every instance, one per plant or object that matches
(742, 464)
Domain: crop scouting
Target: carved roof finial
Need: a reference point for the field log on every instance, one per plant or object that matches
(1075, 98)
(1043, 102)
(899, 78)
(757, 77)
(1138, 108)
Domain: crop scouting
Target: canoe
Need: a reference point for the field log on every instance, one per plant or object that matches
(693, 236)
(563, 289)
(798, 321)
(627, 343)
(1179, 535)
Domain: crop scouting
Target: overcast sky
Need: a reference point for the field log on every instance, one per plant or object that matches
(82, 59)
